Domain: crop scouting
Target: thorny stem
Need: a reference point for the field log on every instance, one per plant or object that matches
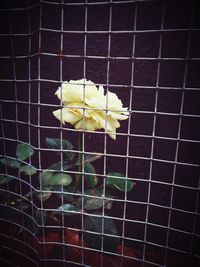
(80, 160)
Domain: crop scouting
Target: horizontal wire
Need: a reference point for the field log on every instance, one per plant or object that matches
(109, 85)
(100, 109)
(63, 55)
(145, 136)
(20, 8)
(101, 31)
(74, 4)
(96, 2)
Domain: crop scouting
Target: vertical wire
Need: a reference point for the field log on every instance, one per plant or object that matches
(39, 134)
(61, 134)
(153, 135)
(16, 118)
(5, 154)
(4, 142)
(105, 133)
(29, 111)
(178, 140)
(83, 133)
(6, 167)
(6, 171)
(61, 226)
(184, 87)
(128, 136)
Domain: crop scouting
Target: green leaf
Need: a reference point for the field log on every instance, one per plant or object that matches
(68, 209)
(43, 196)
(61, 179)
(46, 178)
(28, 170)
(92, 179)
(13, 163)
(23, 151)
(94, 240)
(65, 194)
(119, 182)
(51, 179)
(93, 203)
(108, 195)
(5, 179)
(56, 143)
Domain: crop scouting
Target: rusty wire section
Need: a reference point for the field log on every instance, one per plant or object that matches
(158, 147)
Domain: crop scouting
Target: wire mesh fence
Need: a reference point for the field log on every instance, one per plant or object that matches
(133, 201)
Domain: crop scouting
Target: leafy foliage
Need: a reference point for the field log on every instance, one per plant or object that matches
(90, 176)
(62, 179)
(43, 195)
(68, 209)
(65, 145)
(49, 179)
(95, 200)
(91, 196)
(12, 163)
(28, 170)
(66, 193)
(5, 179)
(24, 151)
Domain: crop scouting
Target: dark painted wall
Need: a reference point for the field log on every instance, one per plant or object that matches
(148, 53)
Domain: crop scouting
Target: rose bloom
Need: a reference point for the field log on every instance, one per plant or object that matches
(88, 108)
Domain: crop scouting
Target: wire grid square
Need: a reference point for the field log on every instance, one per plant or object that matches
(110, 51)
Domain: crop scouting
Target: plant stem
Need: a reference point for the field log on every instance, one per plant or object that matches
(80, 160)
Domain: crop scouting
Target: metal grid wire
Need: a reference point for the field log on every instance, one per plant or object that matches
(149, 55)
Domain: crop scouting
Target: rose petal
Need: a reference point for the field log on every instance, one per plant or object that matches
(87, 107)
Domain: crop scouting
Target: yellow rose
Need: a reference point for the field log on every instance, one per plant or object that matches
(87, 107)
